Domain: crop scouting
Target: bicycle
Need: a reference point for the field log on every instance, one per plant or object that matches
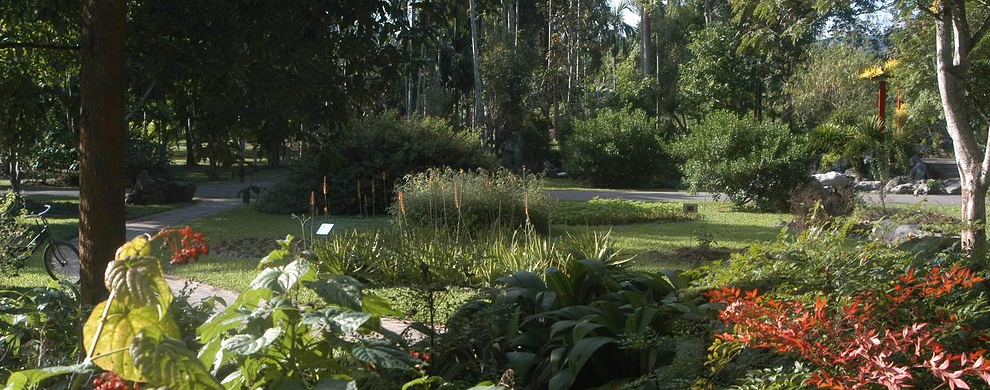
(59, 256)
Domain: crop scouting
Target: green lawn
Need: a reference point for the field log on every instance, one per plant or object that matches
(63, 221)
(648, 241)
(237, 274)
(199, 176)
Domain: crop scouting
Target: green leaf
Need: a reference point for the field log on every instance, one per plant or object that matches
(167, 362)
(582, 351)
(282, 279)
(23, 380)
(122, 324)
(562, 380)
(274, 257)
(336, 384)
(337, 320)
(243, 344)
(521, 362)
(423, 383)
(138, 281)
(378, 306)
(343, 291)
(384, 356)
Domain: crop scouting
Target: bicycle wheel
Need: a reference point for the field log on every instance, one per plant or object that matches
(62, 261)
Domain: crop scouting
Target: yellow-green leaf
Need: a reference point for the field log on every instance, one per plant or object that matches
(121, 325)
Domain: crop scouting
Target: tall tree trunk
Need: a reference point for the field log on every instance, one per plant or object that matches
(479, 104)
(101, 143)
(646, 38)
(709, 11)
(953, 45)
(190, 144)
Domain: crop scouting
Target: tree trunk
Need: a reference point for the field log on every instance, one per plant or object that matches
(646, 35)
(709, 11)
(479, 105)
(101, 143)
(953, 45)
(190, 144)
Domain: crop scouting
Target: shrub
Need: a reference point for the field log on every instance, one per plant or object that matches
(617, 149)
(586, 326)
(814, 201)
(40, 328)
(599, 211)
(146, 155)
(362, 167)
(13, 235)
(473, 200)
(890, 336)
(744, 159)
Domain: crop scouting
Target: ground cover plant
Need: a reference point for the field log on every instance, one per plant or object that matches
(600, 211)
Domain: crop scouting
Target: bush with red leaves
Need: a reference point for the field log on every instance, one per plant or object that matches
(888, 338)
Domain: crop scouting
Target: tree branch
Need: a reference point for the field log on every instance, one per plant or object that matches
(141, 103)
(33, 45)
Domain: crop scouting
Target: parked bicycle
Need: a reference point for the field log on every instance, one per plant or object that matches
(61, 258)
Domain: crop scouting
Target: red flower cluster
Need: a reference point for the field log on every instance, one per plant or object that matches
(186, 245)
(859, 348)
(110, 381)
(425, 356)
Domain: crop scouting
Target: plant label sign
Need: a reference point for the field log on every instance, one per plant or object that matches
(324, 229)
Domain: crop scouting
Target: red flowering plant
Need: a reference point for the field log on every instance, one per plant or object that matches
(889, 338)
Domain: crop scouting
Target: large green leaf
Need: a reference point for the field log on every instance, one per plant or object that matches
(166, 362)
(122, 324)
(279, 254)
(384, 356)
(23, 380)
(336, 384)
(282, 279)
(582, 351)
(378, 306)
(244, 344)
(343, 291)
(521, 362)
(336, 320)
(138, 281)
(562, 380)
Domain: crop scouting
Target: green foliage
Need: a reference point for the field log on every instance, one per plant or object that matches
(820, 260)
(476, 201)
(13, 235)
(718, 77)
(600, 211)
(146, 155)
(363, 167)
(827, 87)
(856, 138)
(744, 160)
(589, 324)
(38, 328)
(617, 149)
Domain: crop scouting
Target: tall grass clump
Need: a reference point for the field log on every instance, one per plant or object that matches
(473, 201)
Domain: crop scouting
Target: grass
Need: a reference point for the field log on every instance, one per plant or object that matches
(237, 274)
(63, 221)
(649, 241)
(599, 211)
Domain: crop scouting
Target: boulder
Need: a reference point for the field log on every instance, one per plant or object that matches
(833, 179)
(867, 185)
(907, 188)
(152, 190)
(899, 180)
(952, 187)
(913, 239)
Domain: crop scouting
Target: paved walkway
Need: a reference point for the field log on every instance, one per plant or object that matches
(675, 196)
